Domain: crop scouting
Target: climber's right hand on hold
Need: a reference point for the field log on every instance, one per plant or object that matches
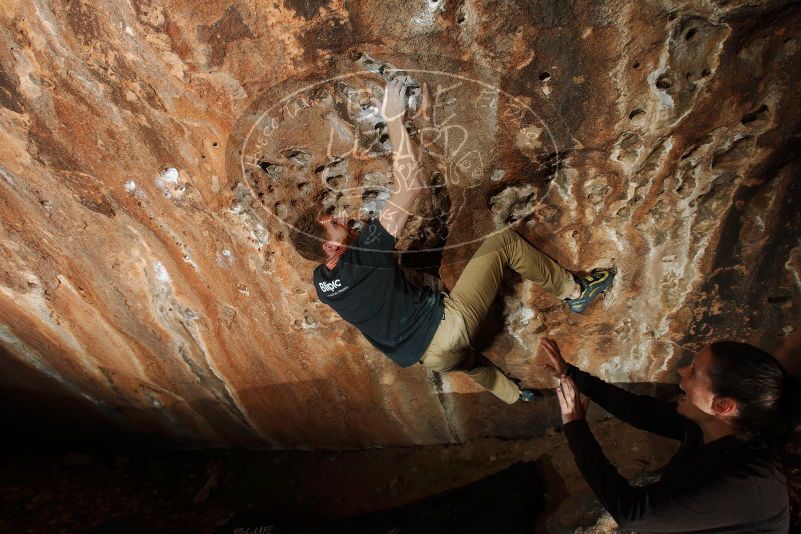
(394, 105)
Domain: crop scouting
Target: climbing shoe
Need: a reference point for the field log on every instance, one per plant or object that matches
(528, 395)
(592, 286)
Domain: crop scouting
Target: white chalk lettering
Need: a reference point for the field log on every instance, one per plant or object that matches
(330, 286)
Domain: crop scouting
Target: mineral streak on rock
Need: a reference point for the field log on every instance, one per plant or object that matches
(152, 155)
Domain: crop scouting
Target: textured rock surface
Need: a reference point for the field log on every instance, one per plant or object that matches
(149, 155)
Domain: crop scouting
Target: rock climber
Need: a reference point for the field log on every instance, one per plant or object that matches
(737, 424)
(360, 279)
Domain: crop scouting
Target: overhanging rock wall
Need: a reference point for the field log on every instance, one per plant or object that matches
(151, 154)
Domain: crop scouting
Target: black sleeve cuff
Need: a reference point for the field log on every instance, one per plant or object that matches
(582, 444)
(572, 370)
(576, 429)
(579, 377)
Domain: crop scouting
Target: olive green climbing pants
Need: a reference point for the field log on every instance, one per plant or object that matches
(469, 302)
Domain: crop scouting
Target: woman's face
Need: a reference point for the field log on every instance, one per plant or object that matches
(697, 401)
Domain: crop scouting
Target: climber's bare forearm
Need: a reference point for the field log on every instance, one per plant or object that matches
(406, 177)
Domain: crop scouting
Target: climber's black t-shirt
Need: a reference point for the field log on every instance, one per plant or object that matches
(368, 290)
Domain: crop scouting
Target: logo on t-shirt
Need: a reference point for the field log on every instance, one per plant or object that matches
(330, 286)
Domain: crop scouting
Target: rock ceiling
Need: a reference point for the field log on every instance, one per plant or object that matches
(151, 158)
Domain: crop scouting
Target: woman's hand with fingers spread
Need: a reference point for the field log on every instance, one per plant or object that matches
(556, 365)
(572, 403)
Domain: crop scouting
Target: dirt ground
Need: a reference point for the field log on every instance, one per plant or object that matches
(204, 490)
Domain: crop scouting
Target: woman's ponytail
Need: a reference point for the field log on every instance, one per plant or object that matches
(768, 402)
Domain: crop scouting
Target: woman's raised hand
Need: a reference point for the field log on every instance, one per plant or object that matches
(572, 403)
(556, 365)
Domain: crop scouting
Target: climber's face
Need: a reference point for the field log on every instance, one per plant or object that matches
(338, 232)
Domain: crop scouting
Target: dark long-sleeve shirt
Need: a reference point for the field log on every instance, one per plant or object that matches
(727, 485)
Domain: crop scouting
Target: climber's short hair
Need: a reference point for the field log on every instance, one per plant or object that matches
(308, 235)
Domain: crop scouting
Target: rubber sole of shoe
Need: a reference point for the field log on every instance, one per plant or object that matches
(591, 291)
